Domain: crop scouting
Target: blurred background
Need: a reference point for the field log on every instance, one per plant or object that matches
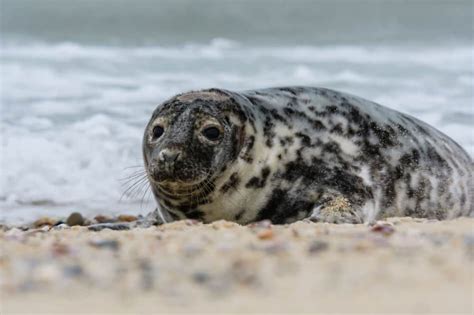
(79, 79)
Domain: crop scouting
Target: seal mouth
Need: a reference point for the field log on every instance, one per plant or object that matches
(172, 184)
(185, 190)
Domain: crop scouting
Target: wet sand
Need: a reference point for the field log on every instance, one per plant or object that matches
(401, 265)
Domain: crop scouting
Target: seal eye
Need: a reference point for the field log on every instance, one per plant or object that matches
(211, 133)
(157, 132)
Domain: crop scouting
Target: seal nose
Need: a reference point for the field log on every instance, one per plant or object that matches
(168, 156)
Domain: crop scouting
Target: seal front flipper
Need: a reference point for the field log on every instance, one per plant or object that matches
(153, 218)
(335, 209)
(156, 217)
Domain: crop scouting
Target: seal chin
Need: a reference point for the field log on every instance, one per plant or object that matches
(179, 188)
(173, 183)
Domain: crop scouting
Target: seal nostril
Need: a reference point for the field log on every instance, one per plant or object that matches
(168, 156)
(175, 157)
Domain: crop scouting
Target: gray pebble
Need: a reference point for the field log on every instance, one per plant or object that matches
(105, 244)
(317, 246)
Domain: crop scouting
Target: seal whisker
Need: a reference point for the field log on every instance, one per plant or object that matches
(147, 188)
(131, 177)
(131, 189)
(133, 194)
(133, 166)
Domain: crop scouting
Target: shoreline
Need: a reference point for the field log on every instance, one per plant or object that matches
(398, 265)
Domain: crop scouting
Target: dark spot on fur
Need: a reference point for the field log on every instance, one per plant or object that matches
(305, 139)
(318, 125)
(268, 131)
(289, 90)
(231, 183)
(337, 129)
(239, 215)
(246, 154)
(256, 182)
(195, 214)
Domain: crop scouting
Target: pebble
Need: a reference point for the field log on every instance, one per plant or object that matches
(103, 219)
(192, 250)
(44, 221)
(61, 226)
(200, 277)
(190, 222)
(276, 248)
(126, 218)
(147, 275)
(107, 244)
(244, 272)
(43, 229)
(73, 271)
(265, 234)
(317, 247)
(60, 249)
(383, 228)
(222, 224)
(261, 224)
(469, 244)
(75, 218)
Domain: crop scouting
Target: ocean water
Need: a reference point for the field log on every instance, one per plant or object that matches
(79, 81)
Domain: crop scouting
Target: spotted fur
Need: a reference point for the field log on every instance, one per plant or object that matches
(292, 153)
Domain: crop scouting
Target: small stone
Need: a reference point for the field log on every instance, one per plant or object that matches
(317, 246)
(276, 248)
(61, 226)
(105, 244)
(44, 221)
(147, 276)
(60, 249)
(223, 224)
(295, 233)
(44, 228)
(243, 271)
(104, 219)
(191, 222)
(362, 246)
(75, 218)
(383, 228)
(192, 250)
(201, 277)
(265, 234)
(469, 245)
(260, 224)
(88, 222)
(73, 271)
(126, 218)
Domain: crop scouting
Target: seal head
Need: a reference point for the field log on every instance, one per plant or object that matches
(187, 145)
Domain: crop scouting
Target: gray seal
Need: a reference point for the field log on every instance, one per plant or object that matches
(286, 154)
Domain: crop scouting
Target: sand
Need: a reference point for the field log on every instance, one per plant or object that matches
(401, 265)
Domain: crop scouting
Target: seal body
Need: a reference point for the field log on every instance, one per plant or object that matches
(287, 154)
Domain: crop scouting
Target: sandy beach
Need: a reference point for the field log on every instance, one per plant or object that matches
(401, 265)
